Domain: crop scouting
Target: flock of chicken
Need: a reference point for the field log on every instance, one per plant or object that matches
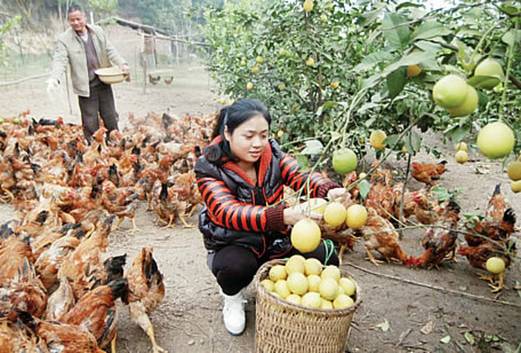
(486, 236)
(57, 293)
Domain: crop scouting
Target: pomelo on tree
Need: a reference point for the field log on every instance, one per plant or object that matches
(514, 170)
(516, 186)
(450, 91)
(496, 140)
(461, 157)
(377, 139)
(468, 106)
(356, 216)
(489, 67)
(344, 161)
(413, 71)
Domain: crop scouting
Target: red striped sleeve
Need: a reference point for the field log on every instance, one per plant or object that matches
(226, 211)
(295, 179)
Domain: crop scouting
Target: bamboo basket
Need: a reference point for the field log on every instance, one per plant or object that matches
(283, 327)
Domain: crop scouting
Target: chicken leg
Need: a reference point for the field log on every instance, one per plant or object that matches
(138, 315)
(372, 259)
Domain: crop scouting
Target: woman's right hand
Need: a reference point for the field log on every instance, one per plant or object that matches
(292, 215)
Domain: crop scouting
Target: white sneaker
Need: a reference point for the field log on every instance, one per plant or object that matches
(233, 313)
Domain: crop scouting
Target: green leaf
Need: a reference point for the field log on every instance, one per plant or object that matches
(482, 81)
(313, 147)
(396, 82)
(512, 36)
(302, 161)
(374, 59)
(510, 9)
(407, 4)
(395, 30)
(430, 29)
(445, 339)
(364, 187)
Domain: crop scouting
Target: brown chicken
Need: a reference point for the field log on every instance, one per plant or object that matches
(146, 292)
(15, 337)
(428, 173)
(96, 312)
(381, 236)
(478, 256)
(440, 240)
(13, 253)
(25, 291)
(61, 337)
(60, 301)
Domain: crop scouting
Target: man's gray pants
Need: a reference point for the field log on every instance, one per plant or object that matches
(101, 100)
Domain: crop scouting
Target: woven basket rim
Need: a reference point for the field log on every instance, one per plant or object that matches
(261, 291)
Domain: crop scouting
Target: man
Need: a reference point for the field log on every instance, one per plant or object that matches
(86, 48)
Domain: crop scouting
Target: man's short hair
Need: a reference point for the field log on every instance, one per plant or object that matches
(74, 8)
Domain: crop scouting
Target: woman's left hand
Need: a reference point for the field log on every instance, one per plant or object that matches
(336, 193)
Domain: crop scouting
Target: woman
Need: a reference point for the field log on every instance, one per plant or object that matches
(241, 177)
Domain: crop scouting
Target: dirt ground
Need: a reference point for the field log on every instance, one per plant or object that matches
(189, 319)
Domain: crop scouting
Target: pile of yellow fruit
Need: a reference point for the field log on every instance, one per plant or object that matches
(306, 282)
(514, 173)
(462, 155)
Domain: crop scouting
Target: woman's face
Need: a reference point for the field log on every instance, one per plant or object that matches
(249, 139)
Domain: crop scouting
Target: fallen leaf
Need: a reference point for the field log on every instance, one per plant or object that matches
(427, 328)
(469, 337)
(445, 339)
(384, 326)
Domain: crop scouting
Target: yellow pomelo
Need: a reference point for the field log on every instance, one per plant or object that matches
(344, 161)
(496, 140)
(255, 69)
(297, 283)
(461, 157)
(340, 290)
(314, 283)
(468, 106)
(334, 84)
(310, 61)
(328, 288)
(312, 266)
(294, 298)
(259, 59)
(311, 300)
(377, 139)
(249, 86)
(413, 70)
(295, 264)
(495, 265)
(514, 170)
(277, 272)
(450, 91)
(331, 271)
(356, 216)
(305, 235)
(343, 301)
(326, 304)
(308, 6)
(335, 214)
(516, 186)
(490, 67)
(281, 288)
(268, 284)
(348, 285)
(461, 146)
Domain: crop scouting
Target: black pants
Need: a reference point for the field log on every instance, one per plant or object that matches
(235, 266)
(101, 100)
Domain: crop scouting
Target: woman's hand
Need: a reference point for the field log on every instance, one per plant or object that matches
(292, 215)
(336, 193)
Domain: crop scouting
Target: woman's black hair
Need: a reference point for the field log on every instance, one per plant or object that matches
(229, 118)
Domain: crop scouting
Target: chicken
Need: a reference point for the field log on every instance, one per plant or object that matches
(60, 301)
(146, 292)
(120, 202)
(440, 240)
(478, 256)
(62, 338)
(13, 253)
(16, 337)
(380, 235)
(25, 291)
(49, 262)
(96, 312)
(428, 173)
(497, 205)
